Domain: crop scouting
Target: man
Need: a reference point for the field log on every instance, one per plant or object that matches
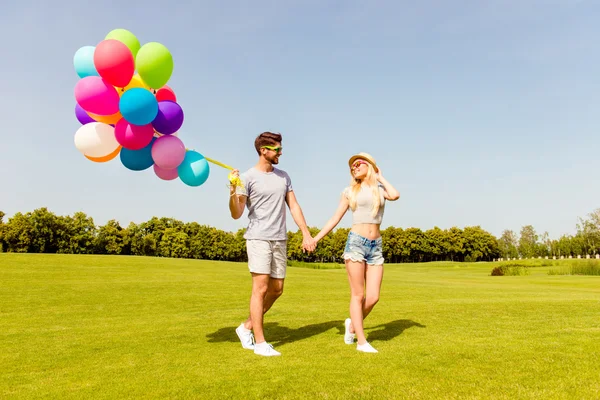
(265, 190)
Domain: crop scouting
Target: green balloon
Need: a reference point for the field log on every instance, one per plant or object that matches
(154, 64)
(127, 38)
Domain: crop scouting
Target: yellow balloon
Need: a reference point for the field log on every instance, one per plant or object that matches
(136, 82)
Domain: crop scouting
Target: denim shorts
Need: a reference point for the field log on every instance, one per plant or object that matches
(359, 248)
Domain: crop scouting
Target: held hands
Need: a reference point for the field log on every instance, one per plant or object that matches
(309, 244)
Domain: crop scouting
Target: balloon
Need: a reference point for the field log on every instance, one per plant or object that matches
(105, 158)
(114, 62)
(82, 116)
(194, 169)
(136, 82)
(137, 160)
(107, 119)
(133, 137)
(138, 106)
(168, 152)
(165, 174)
(96, 140)
(169, 118)
(127, 38)
(165, 93)
(95, 95)
(157, 134)
(83, 61)
(154, 64)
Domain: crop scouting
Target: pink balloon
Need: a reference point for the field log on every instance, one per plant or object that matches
(97, 96)
(114, 62)
(166, 174)
(168, 152)
(133, 137)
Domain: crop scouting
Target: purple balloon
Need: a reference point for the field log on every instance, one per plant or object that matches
(169, 118)
(82, 116)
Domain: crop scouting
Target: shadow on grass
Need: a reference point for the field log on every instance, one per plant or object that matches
(276, 334)
(385, 332)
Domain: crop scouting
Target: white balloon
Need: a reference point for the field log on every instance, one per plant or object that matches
(96, 139)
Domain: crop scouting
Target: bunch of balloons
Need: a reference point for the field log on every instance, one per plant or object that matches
(127, 109)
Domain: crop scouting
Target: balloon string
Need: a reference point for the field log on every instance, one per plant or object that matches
(220, 164)
(235, 182)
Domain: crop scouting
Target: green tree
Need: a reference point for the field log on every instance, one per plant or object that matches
(528, 242)
(18, 233)
(174, 243)
(109, 239)
(507, 244)
(2, 245)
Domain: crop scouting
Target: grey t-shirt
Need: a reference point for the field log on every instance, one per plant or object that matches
(266, 192)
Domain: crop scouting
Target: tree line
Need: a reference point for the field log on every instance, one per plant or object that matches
(41, 231)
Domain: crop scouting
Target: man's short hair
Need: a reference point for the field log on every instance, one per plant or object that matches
(266, 139)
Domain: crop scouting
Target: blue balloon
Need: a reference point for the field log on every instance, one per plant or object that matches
(137, 160)
(194, 169)
(138, 106)
(83, 61)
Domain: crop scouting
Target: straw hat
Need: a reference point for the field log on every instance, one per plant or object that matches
(363, 156)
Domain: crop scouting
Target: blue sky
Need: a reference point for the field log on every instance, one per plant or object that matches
(479, 112)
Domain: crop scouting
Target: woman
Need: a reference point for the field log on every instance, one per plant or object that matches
(363, 255)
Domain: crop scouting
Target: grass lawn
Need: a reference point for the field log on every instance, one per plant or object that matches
(132, 327)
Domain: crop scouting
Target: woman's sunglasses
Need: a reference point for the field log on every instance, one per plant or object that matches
(358, 164)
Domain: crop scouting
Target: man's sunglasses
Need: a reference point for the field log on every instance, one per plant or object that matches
(275, 149)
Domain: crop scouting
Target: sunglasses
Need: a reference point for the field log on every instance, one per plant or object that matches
(275, 149)
(358, 164)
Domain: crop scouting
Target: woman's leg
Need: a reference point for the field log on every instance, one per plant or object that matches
(373, 278)
(356, 278)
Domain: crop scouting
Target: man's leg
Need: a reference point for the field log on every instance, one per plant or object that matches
(260, 285)
(259, 264)
(274, 291)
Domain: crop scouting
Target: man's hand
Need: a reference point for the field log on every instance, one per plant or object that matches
(233, 176)
(309, 244)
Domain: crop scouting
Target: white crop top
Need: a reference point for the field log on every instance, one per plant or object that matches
(364, 206)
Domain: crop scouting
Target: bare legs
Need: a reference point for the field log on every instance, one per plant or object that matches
(265, 290)
(365, 284)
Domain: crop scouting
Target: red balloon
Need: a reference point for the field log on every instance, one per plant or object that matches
(114, 62)
(165, 93)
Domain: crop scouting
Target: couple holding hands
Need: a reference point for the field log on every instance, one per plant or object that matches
(266, 191)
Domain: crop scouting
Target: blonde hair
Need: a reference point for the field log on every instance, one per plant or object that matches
(371, 181)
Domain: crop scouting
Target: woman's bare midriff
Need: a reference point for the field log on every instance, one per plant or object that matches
(370, 231)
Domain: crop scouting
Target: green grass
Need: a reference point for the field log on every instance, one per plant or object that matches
(579, 267)
(511, 269)
(101, 327)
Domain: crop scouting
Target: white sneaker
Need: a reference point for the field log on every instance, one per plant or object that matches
(348, 336)
(366, 347)
(265, 349)
(246, 337)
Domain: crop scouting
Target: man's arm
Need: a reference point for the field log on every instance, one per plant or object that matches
(307, 242)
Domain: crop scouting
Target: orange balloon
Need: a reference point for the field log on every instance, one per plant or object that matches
(105, 158)
(107, 119)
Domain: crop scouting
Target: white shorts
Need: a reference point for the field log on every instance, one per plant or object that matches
(267, 257)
